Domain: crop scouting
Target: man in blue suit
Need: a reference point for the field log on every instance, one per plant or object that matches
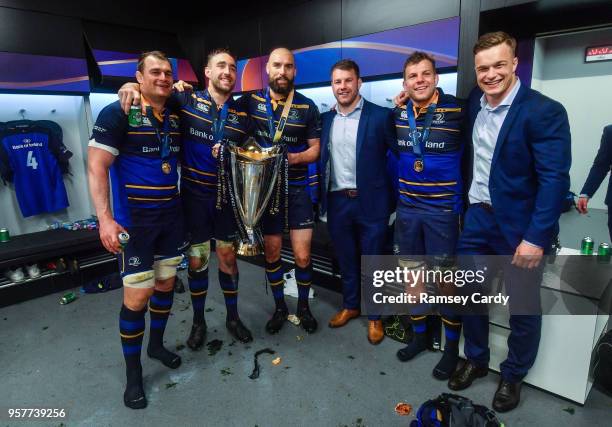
(521, 158)
(601, 166)
(357, 193)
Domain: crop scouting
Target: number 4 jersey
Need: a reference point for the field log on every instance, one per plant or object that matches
(33, 157)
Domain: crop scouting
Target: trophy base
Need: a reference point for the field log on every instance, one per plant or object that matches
(249, 249)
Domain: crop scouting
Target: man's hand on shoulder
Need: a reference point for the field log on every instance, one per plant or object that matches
(182, 86)
(129, 95)
(401, 98)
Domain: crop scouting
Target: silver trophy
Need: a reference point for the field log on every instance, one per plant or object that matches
(254, 172)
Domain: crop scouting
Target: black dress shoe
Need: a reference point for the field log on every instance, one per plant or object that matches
(238, 330)
(197, 336)
(464, 377)
(307, 320)
(507, 396)
(276, 322)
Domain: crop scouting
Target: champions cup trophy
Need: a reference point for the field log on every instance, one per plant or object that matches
(254, 174)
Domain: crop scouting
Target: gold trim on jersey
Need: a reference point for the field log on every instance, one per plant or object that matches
(232, 128)
(427, 195)
(438, 110)
(197, 181)
(197, 98)
(195, 115)
(198, 171)
(427, 184)
(259, 98)
(151, 187)
(276, 121)
(148, 199)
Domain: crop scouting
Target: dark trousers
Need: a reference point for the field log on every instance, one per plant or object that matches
(353, 236)
(482, 236)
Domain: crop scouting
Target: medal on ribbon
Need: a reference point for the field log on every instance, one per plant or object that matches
(419, 138)
(164, 142)
(166, 167)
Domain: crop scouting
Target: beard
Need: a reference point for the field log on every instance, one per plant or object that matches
(353, 97)
(281, 90)
(220, 89)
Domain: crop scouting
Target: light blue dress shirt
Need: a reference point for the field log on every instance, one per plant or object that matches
(484, 136)
(343, 146)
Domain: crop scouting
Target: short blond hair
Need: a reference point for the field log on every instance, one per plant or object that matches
(489, 40)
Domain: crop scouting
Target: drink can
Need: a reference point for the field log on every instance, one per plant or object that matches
(68, 298)
(4, 235)
(586, 247)
(124, 238)
(135, 116)
(603, 253)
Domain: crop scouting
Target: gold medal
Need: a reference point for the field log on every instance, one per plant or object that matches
(166, 168)
(418, 165)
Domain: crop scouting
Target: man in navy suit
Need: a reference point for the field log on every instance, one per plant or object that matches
(601, 166)
(521, 158)
(357, 193)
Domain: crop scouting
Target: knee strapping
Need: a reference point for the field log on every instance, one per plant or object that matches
(140, 280)
(222, 244)
(197, 274)
(201, 251)
(166, 268)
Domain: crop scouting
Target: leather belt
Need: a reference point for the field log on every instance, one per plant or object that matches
(486, 206)
(350, 193)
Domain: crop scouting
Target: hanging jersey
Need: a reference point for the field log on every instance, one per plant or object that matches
(303, 123)
(438, 186)
(33, 157)
(198, 166)
(144, 186)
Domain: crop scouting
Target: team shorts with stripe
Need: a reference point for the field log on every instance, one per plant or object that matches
(301, 212)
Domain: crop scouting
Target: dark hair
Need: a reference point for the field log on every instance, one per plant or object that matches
(417, 57)
(158, 54)
(217, 51)
(346, 65)
(489, 40)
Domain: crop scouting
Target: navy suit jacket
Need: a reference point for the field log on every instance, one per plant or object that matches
(375, 136)
(601, 166)
(529, 177)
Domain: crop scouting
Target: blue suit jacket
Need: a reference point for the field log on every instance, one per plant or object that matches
(375, 136)
(529, 175)
(601, 166)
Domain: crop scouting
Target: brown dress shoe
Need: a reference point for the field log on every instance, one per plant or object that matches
(342, 317)
(375, 331)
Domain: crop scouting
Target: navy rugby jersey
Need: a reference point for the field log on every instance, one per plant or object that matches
(33, 157)
(198, 166)
(303, 123)
(438, 187)
(138, 182)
